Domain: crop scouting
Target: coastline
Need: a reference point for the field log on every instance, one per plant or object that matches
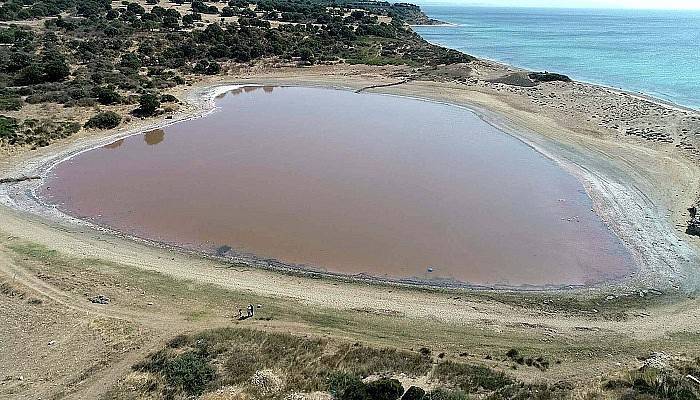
(601, 191)
(204, 101)
(658, 98)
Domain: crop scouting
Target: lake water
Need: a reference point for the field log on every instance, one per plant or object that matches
(651, 51)
(351, 183)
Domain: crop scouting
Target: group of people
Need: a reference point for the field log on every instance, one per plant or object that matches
(250, 312)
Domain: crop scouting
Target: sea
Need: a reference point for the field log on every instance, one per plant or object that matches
(654, 52)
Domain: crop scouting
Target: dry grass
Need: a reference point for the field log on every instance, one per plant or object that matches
(217, 358)
(266, 365)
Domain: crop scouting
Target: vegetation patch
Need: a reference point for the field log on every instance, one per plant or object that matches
(37, 133)
(548, 77)
(538, 362)
(104, 120)
(273, 365)
(659, 379)
(10, 103)
(90, 52)
(191, 364)
(471, 378)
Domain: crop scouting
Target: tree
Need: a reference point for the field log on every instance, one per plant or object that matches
(207, 68)
(357, 15)
(227, 12)
(55, 67)
(30, 75)
(148, 104)
(305, 54)
(171, 19)
(112, 14)
(135, 8)
(414, 393)
(188, 20)
(106, 95)
(130, 61)
(103, 120)
(384, 389)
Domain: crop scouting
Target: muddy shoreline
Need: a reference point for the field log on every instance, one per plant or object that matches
(27, 200)
(202, 100)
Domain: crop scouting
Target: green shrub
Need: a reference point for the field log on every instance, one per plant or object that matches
(168, 98)
(190, 372)
(414, 393)
(148, 104)
(106, 95)
(548, 77)
(35, 132)
(10, 103)
(345, 386)
(471, 378)
(512, 354)
(8, 127)
(444, 394)
(103, 120)
(384, 389)
(662, 384)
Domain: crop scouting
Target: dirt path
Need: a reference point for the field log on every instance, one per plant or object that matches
(93, 384)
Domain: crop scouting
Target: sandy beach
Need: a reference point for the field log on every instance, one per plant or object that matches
(637, 159)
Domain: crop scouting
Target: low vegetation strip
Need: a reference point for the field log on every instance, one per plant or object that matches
(266, 364)
(250, 363)
(263, 364)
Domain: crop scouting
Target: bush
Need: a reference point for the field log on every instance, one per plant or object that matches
(414, 393)
(10, 103)
(207, 68)
(665, 384)
(148, 104)
(168, 98)
(8, 127)
(384, 389)
(106, 95)
(103, 120)
(344, 386)
(227, 12)
(548, 77)
(30, 75)
(305, 54)
(444, 394)
(512, 354)
(189, 372)
(34, 132)
(471, 378)
(55, 67)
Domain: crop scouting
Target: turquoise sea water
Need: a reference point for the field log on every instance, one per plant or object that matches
(656, 52)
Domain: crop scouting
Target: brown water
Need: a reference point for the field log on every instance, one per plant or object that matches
(352, 183)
